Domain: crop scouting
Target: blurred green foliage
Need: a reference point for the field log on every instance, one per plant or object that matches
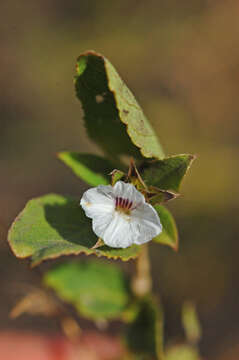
(144, 335)
(97, 290)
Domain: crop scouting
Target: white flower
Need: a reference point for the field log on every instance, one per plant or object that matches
(120, 215)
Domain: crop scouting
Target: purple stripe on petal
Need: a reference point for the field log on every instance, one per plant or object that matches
(126, 203)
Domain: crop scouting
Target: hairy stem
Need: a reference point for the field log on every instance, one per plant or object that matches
(142, 281)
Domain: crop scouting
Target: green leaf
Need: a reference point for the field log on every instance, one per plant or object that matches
(54, 225)
(157, 196)
(169, 235)
(144, 336)
(108, 106)
(182, 352)
(93, 169)
(167, 174)
(153, 194)
(97, 290)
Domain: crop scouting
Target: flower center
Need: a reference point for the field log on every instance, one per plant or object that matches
(123, 205)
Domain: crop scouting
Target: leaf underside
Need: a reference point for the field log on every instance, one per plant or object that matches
(97, 290)
(113, 118)
(169, 235)
(93, 169)
(52, 225)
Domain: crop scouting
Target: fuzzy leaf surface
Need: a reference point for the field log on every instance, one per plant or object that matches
(97, 290)
(113, 118)
(169, 235)
(53, 225)
(93, 169)
(167, 174)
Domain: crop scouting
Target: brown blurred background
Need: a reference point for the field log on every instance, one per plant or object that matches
(181, 59)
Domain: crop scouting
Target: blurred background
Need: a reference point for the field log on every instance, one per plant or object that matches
(181, 60)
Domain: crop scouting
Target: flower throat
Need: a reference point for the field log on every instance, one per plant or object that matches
(123, 205)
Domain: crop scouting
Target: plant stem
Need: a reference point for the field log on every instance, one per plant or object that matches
(142, 281)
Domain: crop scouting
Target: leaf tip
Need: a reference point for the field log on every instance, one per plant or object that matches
(60, 154)
(175, 247)
(81, 62)
(192, 157)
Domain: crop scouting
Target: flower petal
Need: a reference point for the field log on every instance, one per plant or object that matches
(101, 222)
(146, 223)
(118, 233)
(128, 191)
(98, 201)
